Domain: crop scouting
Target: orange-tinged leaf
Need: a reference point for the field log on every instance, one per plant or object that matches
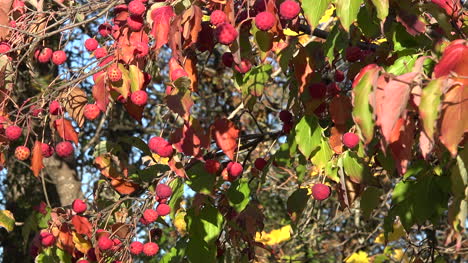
(161, 22)
(81, 244)
(190, 67)
(177, 167)
(226, 134)
(134, 110)
(123, 186)
(100, 92)
(65, 239)
(5, 6)
(121, 230)
(65, 130)
(401, 149)
(454, 60)
(302, 69)
(454, 121)
(425, 144)
(335, 139)
(340, 109)
(74, 102)
(192, 25)
(36, 161)
(180, 102)
(190, 138)
(82, 225)
(107, 167)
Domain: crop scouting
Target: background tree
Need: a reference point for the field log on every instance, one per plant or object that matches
(227, 131)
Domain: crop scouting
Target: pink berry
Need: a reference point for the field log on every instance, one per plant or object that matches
(285, 116)
(165, 151)
(139, 97)
(265, 21)
(100, 52)
(82, 261)
(105, 243)
(105, 29)
(226, 33)
(47, 239)
(289, 9)
(13, 132)
(55, 108)
(163, 209)
(79, 206)
(217, 17)
(156, 142)
(136, 248)
(163, 191)
(47, 150)
(64, 149)
(4, 47)
(136, 8)
(150, 215)
(244, 66)
(114, 73)
(91, 44)
(234, 169)
(212, 166)
(350, 140)
(320, 191)
(43, 55)
(91, 111)
(22, 153)
(150, 249)
(59, 57)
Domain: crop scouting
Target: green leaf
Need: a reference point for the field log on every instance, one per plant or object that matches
(459, 175)
(286, 54)
(368, 23)
(382, 8)
(336, 41)
(331, 171)
(429, 106)
(402, 65)
(314, 10)
(199, 251)
(152, 172)
(254, 81)
(370, 199)
(43, 220)
(176, 254)
(136, 78)
(177, 186)
(138, 143)
(355, 167)
(63, 256)
(204, 225)
(347, 11)
(308, 135)
(238, 194)
(182, 83)
(263, 39)
(297, 202)
(321, 157)
(7, 220)
(200, 180)
(106, 147)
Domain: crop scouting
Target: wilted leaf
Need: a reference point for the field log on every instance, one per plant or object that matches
(65, 239)
(81, 244)
(134, 110)
(123, 186)
(180, 102)
(340, 109)
(413, 23)
(226, 134)
(190, 66)
(36, 161)
(5, 6)
(161, 22)
(303, 67)
(82, 225)
(192, 25)
(74, 102)
(335, 138)
(65, 129)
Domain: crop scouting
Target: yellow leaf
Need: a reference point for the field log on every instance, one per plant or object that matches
(179, 222)
(275, 237)
(154, 159)
(358, 257)
(7, 220)
(205, 18)
(398, 232)
(81, 244)
(327, 14)
(290, 32)
(399, 256)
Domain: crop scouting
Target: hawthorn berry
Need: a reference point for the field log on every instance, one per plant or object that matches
(320, 191)
(260, 163)
(226, 33)
(55, 108)
(265, 20)
(217, 17)
(289, 9)
(59, 57)
(139, 97)
(150, 249)
(47, 150)
(47, 239)
(212, 166)
(13, 132)
(163, 191)
(79, 206)
(105, 29)
(91, 44)
(244, 66)
(114, 73)
(285, 116)
(135, 23)
(234, 169)
(339, 75)
(163, 209)
(100, 52)
(178, 73)
(136, 248)
(64, 149)
(228, 59)
(22, 153)
(150, 215)
(105, 243)
(43, 55)
(350, 140)
(4, 47)
(91, 111)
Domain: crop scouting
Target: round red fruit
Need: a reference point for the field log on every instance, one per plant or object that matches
(79, 206)
(212, 166)
(165, 151)
(64, 149)
(226, 33)
(4, 47)
(13, 132)
(350, 140)
(289, 9)
(139, 97)
(136, 8)
(244, 66)
(260, 163)
(320, 192)
(114, 73)
(100, 52)
(82, 261)
(163, 191)
(163, 209)
(55, 108)
(105, 243)
(43, 55)
(22, 153)
(91, 44)
(136, 248)
(265, 21)
(150, 249)
(150, 215)
(47, 150)
(91, 111)
(235, 169)
(156, 142)
(59, 57)
(47, 239)
(228, 59)
(178, 73)
(135, 23)
(105, 29)
(217, 17)
(339, 75)
(285, 116)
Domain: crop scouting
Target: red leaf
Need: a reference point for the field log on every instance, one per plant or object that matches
(134, 110)
(65, 130)
(177, 167)
(161, 22)
(454, 121)
(82, 225)
(391, 100)
(454, 60)
(340, 109)
(123, 186)
(36, 161)
(192, 25)
(226, 135)
(180, 103)
(100, 92)
(401, 149)
(302, 69)
(335, 138)
(190, 66)
(413, 24)
(190, 138)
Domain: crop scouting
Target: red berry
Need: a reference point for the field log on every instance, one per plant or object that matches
(163, 191)
(82, 261)
(4, 47)
(234, 169)
(91, 44)
(320, 191)
(35, 110)
(353, 54)
(100, 52)
(105, 243)
(141, 49)
(165, 151)
(156, 142)
(114, 73)
(150, 249)
(163, 209)
(59, 57)
(212, 166)
(217, 17)
(150, 215)
(79, 206)
(91, 111)
(55, 108)
(136, 248)
(178, 73)
(226, 33)
(265, 21)
(285, 116)
(135, 23)
(47, 239)
(136, 8)
(260, 163)
(139, 97)
(289, 9)
(228, 59)
(244, 66)
(333, 89)
(22, 153)
(350, 140)
(47, 150)
(43, 55)
(339, 75)
(64, 149)
(105, 29)
(13, 132)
